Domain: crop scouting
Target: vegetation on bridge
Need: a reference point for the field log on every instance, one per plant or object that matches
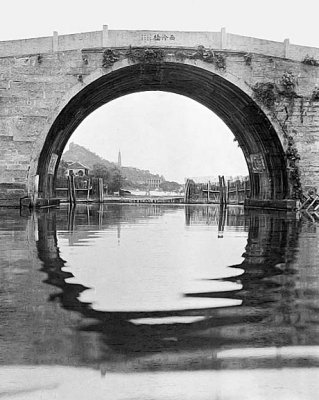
(155, 55)
(310, 61)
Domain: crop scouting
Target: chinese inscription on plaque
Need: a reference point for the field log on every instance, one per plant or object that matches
(157, 37)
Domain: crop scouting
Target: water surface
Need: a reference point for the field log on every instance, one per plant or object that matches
(171, 292)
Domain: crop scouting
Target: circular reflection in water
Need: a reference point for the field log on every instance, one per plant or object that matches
(44, 319)
(154, 261)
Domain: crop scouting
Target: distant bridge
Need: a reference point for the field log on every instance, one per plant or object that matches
(266, 92)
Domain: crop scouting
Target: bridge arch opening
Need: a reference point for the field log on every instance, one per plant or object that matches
(252, 129)
(172, 136)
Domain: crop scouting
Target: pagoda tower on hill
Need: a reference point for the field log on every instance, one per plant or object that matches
(119, 160)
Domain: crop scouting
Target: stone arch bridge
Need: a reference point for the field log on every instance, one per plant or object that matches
(266, 92)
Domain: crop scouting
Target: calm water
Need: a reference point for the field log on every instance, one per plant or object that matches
(148, 300)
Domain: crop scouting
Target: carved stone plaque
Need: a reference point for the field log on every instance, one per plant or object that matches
(257, 162)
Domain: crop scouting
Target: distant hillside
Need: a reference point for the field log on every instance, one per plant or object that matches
(88, 158)
(84, 156)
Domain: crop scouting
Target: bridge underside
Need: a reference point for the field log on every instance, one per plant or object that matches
(255, 134)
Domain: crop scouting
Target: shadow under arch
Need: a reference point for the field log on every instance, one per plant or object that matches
(267, 316)
(252, 129)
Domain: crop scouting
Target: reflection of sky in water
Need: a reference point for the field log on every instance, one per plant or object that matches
(153, 264)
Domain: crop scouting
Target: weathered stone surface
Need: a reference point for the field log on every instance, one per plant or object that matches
(38, 85)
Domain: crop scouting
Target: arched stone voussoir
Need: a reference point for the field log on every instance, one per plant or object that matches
(219, 91)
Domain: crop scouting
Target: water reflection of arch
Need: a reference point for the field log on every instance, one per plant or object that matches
(262, 319)
(232, 217)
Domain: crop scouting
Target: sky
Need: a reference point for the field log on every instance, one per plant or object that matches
(271, 19)
(161, 134)
(165, 133)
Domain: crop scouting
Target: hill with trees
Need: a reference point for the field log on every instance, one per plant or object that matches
(128, 177)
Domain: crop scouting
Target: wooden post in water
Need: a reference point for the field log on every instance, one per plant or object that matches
(245, 190)
(220, 190)
(237, 192)
(186, 188)
(71, 190)
(187, 191)
(224, 190)
(226, 195)
(100, 214)
(71, 217)
(88, 193)
(221, 221)
(228, 186)
(100, 189)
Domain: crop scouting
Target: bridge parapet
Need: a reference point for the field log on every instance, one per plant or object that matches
(139, 38)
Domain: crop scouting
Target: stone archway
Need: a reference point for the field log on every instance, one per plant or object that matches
(255, 134)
